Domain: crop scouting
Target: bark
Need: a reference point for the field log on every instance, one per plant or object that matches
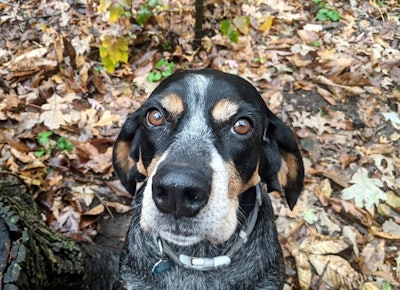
(32, 256)
(198, 29)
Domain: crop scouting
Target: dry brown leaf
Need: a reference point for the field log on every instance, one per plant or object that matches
(98, 209)
(337, 89)
(371, 286)
(350, 233)
(106, 119)
(303, 266)
(372, 256)
(345, 159)
(350, 79)
(322, 245)
(336, 177)
(307, 36)
(326, 95)
(304, 272)
(378, 149)
(326, 187)
(336, 271)
(68, 220)
(84, 193)
(119, 207)
(118, 188)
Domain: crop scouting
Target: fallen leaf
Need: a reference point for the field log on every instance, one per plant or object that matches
(322, 245)
(391, 227)
(336, 271)
(119, 207)
(365, 190)
(394, 119)
(372, 256)
(98, 209)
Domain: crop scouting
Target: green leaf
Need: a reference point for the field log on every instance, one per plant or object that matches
(153, 3)
(44, 137)
(317, 1)
(365, 191)
(160, 63)
(40, 152)
(309, 216)
(64, 144)
(166, 73)
(229, 30)
(154, 77)
(386, 286)
(143, 15)
(322, 14)
(334, 15)
(316, 43)
(224, 26)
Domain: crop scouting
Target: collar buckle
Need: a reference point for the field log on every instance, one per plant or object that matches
(204, 264)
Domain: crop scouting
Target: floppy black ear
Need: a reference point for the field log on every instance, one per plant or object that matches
(126, 153)
(281, 165)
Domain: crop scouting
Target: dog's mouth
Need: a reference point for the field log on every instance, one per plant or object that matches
(180, 239)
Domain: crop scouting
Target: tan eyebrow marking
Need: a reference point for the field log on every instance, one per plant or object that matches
(224, 110)
(173, 104)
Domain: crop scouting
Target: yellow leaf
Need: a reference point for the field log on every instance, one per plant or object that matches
(116, 11)
(108, 64)
(104, 4)
(108, 41)
(267, 23)
(115, 55)
(122, 44)
(124, 57)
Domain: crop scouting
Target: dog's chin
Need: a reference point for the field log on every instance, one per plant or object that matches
(180, 240)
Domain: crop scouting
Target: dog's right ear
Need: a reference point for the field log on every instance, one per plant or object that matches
(126, 153)
(282, 164)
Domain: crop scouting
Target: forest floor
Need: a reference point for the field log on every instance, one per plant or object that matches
(329, 69)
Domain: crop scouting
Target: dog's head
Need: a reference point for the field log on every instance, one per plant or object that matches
(202, 139)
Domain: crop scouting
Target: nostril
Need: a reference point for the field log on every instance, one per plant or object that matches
(195, 196)
(191, 196)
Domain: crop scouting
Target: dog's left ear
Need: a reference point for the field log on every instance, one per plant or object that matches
(281, 165)
(126, 153)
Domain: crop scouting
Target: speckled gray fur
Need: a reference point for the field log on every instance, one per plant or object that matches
(258, 264)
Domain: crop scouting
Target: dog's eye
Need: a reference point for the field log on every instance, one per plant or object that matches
(242, 126)
(155, 118)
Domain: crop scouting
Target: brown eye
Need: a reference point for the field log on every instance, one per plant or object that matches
(155, 118)
(242, 126)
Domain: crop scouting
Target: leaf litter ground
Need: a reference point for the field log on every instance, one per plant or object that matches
(337, 84)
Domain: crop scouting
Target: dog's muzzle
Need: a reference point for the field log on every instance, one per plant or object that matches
(181, 191)
(168, 257)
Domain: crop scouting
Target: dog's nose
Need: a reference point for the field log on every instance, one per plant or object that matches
(181, 191)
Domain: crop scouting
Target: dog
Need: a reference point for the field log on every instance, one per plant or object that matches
(207, 150)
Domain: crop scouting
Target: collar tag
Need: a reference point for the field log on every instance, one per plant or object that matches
(162, 266)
